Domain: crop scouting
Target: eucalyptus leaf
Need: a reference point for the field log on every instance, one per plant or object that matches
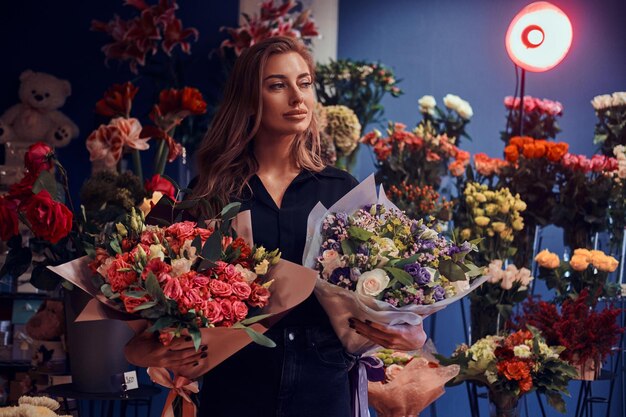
(196, 336)
(162, 323)
(46, 181)
(252, 320)
(230, 211)
(212, 249)
(144, 306)
(259, 338)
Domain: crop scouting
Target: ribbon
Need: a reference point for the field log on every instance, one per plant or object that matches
(367, 368)
(179, 386)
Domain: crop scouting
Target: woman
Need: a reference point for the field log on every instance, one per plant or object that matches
(263, 150)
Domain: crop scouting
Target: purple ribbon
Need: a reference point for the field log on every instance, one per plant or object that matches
(366, 368)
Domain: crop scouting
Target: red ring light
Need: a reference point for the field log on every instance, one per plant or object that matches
(539, 37)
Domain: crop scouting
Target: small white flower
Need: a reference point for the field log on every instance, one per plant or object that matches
(522, 351)
(156, 251)
(427, 104)
(372, 283)
(181, 266)
(601, 102)
(261, 269)
(619, 98)
(452, 101)
(465, 110)
(428, 234)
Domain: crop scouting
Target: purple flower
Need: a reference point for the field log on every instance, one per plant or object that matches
(438, 293)
(338, 274)
(363, 250)
(420, 275)
(342, 218)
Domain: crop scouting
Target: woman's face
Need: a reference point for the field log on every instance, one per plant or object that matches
(287, 94)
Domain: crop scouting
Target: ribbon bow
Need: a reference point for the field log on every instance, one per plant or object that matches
(179, 386)
(366, 368)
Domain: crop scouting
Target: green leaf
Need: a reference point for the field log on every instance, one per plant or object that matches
(212, 249)
(107, 291)
(197, 243)
(144, 306)
(252, 320)
(115, 245)
(46, 181)
(259, 338)
(230, 211)
(451, 270)
(162, 323)
(403, 262)
(556, 401)
(359, 233)
(154, 289)
(401, 275)
(135, 294)
(196, 336)
(347, 247)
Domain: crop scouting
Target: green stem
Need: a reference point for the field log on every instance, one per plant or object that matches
(137, 165)
(160, 168)
(157, 157)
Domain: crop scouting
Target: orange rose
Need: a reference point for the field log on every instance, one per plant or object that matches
(520, 141)
(457, 168)
(511, 153)
(540, 148)
(556, 151)
(514, 370)
(579, 263)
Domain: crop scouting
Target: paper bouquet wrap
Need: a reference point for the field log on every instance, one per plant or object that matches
(341, 303)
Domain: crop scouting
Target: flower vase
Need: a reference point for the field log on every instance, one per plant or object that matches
(503, 404)
(484, 320)
(589, 370)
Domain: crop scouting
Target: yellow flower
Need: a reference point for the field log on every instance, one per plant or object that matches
(505, 207)
(507, 234)
(482, 221)
(498, 226)
(579, 262)
(518, 224)
(547, 259)
(519, 204)
(479, 212)
(606, 263)
(465, 234)
(261, 269)
(490, 232)
(491, 209)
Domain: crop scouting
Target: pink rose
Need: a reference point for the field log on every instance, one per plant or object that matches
(259, 296)
(213, 312)
(120, 280)
(131, 303)
(241, 289)
(182, 230)
(240, 310)
(227, 309)
(220, 288)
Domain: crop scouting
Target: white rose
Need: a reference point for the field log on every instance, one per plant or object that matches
(191, 250)
(452, 101)
(156, 251)
(465, 110)
(372, 283)
(601, 102)
(331, 260)
(619, 98)
(524, 277)
(247, 275)
(460, 286)
(181, 266)
(261, 269)
(522, 351)
(494, 272)
(427, 104)
(508, 277)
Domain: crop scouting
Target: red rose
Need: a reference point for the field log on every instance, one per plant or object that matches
(203, 233)
(38, 158)
(157, 267)
(181, 231)
(259, 297)
(158, 183)
(220, 288)
(120, 280)
(213, 312)
(241, 289)
(172, 289)
(23, 190)
(49, 219)
(131, 303)
(8, 219)
(240, 310)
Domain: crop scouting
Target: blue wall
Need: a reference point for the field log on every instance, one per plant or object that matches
(447, 46)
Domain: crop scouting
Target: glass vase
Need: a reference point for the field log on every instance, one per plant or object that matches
(503, 404)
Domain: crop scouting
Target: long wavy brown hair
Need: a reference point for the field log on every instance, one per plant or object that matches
(225, 157)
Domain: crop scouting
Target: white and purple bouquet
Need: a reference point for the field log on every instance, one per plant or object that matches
(376, 263)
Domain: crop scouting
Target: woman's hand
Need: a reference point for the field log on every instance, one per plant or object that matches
(400, 337)
(145, 349)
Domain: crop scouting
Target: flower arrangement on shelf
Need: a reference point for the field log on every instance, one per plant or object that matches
(585, 187)
(587, 335)
(37, 203)
(610, 128)
(539, 118)
(512, 366)
(358, 85)
(139, 38)
(586, 270)
(340, 132)
(282, 19)
(412, 381)
(421, 202)
(108, 142)
(617, 200)
(419, 157)
(450, 122)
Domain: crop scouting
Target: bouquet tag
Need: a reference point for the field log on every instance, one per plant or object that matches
(130, 379)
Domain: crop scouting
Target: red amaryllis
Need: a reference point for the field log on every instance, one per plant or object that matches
(8, 218)
(158, 183)
(107, 142)
(48, 219)
(174, 34)
(174, 105)
(174, 148)
(39, 157)
(117, 100)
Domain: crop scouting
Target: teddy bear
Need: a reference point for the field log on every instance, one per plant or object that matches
(37, 116)
(32, 406)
